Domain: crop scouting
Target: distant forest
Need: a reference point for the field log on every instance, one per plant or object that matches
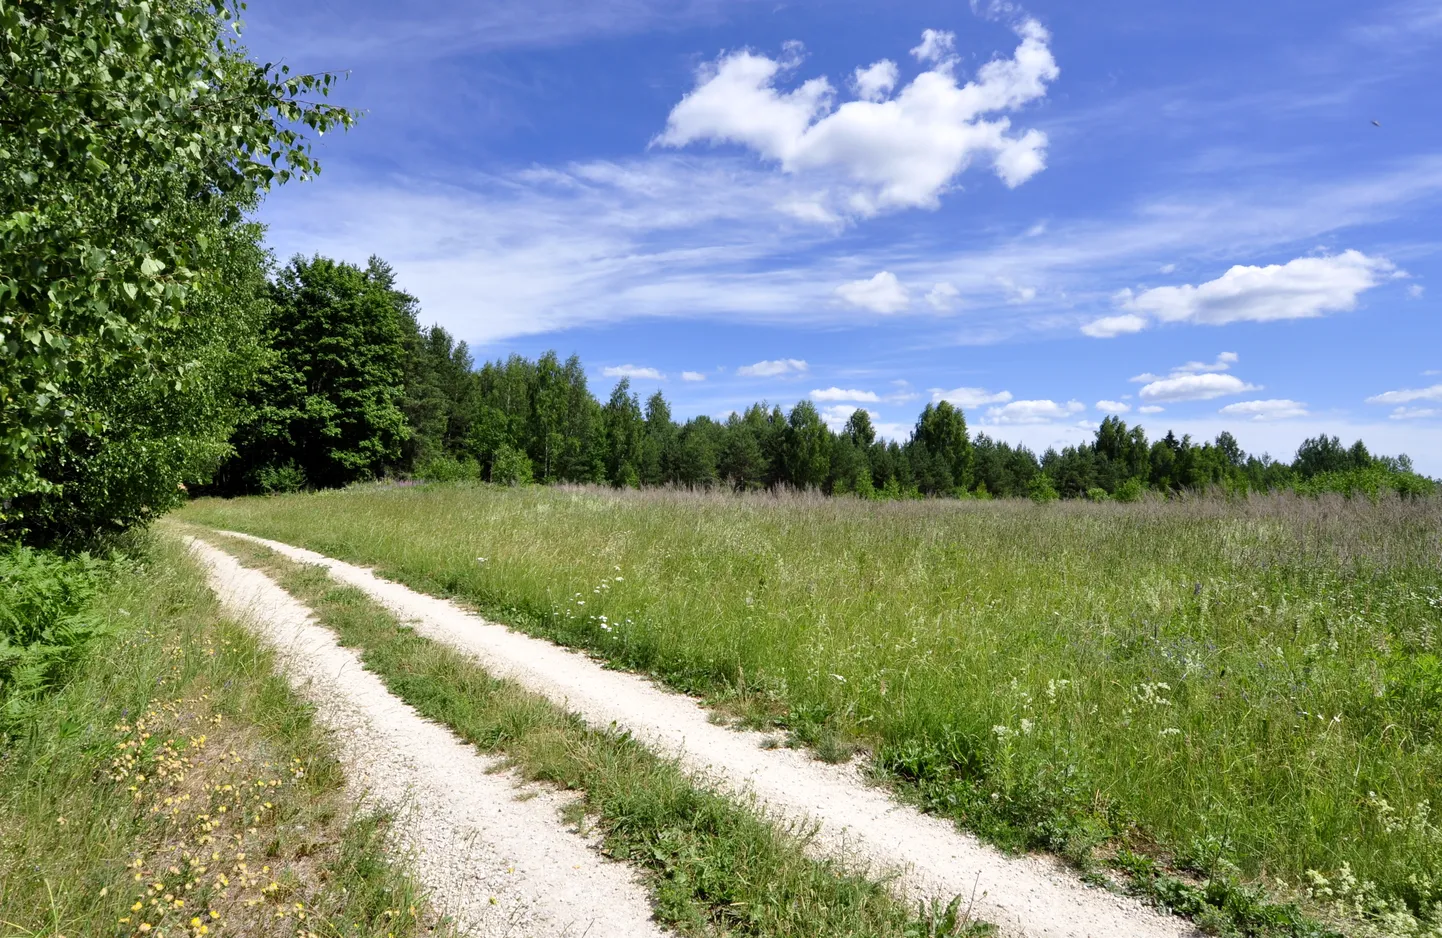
(355, 389)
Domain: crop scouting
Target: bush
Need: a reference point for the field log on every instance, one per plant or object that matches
(1131, 490)
(450, 469)
(510, 466)
(1098, 494)
(1041, 489)
(278, 480)
(1371, 482)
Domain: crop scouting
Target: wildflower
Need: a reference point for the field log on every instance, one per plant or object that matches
(839, 678)
(1026, 726)
(1170, 731)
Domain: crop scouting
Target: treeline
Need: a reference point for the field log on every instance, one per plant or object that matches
(359, 389)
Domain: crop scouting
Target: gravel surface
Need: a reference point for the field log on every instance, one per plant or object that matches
(1030, 896)
(498, 865)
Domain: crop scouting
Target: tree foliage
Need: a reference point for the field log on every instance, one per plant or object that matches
(328, 404)
(134, 136)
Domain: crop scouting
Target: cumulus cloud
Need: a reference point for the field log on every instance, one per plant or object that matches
(845, 394)
(1150, 409)
(874, 83)
(883, 293)
(1114, 407)
(1194, 381)
(893, 151)
(1109, 327)
(632, 371)
(936, 46)
(1406, 396)
(1202, 387)
(1277, 409)
(1303, 288)
(942, 296)
(967, 398)
(1033, 411)
(771, 369)
(692, 376)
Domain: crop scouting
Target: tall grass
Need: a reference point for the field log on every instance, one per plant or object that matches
(1245, 689)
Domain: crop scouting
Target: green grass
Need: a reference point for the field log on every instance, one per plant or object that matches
(1239, 692)
(169, 763)
(715, 868)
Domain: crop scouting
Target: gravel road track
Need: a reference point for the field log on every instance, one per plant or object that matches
(498, 863)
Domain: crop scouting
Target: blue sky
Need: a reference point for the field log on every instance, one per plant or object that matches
(1044, 213)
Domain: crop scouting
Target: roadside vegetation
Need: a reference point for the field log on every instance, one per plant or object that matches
(1241, 693)
(162, 780)
(714, 866)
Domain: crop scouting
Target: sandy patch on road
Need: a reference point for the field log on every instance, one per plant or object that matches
(499, 866)
(1031, 896)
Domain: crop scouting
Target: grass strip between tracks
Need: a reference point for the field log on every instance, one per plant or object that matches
(714, 867)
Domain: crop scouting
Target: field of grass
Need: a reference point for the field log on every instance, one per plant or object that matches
(165, 782)
(1247, 691)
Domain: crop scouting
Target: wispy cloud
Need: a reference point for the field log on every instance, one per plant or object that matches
(632, 371)
(968, 398)
(845, 394)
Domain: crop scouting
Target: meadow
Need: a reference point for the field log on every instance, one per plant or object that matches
(1244, 691)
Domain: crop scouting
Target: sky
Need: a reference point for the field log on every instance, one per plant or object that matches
(1198, 217)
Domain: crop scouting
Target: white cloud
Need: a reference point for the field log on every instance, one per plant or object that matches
(692, 376)
(845, 394)
(1016, 294)
(1150, 409)
(883, 293)
(894, 152)
(771, 369)
(1167, 268)
(633, 371)
(1406, 396)
(1194, 381)
(969, 398)
(1114, 407)
(836, 415)
(1033, 411)
(936, 46)
(1111, 326)
(1224, 362)
(1276, 409)
(942, 296)
(1414, 413)
(1415, 291)
(1201, 387)
(1299, 289)
(874, 83)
